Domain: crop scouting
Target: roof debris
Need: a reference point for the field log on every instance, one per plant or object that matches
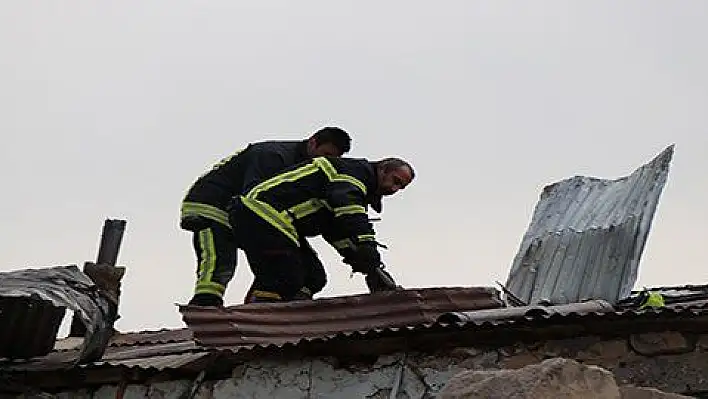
(587, 235)
(37, 299)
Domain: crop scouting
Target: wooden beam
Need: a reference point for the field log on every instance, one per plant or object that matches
(108, 250)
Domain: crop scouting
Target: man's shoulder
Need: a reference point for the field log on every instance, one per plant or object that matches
(360, 167)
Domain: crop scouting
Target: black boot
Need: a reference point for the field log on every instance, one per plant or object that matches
(206, 300)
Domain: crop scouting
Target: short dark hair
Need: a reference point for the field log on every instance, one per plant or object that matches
(388, 164)
(334, 135)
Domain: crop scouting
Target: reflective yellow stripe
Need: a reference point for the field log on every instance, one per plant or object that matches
(290, 176)
(306, 291)
(266, 294)
(349, 210)
(279, 220)
(205, 210)
(308, 207)
(209, 287)
(208, 262)
(333, 175)
(366, 237)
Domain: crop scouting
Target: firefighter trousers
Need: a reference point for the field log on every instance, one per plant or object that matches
(215, 248)
(282, 270)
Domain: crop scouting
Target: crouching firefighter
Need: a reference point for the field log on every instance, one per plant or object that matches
(327, 197)
(204, 207)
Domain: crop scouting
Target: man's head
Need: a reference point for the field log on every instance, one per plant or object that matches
(393, 174)
(328, 141)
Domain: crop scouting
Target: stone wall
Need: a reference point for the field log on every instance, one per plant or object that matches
(670, 361)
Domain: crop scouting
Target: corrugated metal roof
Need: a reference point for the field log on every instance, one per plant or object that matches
(587, 235)
(29, 326)
(595, 306)
(292, 322)
(436, 317)
(156, 356)
(49, 292)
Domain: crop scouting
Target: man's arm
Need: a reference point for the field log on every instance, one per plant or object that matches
(351, 233)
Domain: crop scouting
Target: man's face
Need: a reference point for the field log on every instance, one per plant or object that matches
(393, 180)
(322, 150)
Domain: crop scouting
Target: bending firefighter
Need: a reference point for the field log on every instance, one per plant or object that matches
(326, 196)
(204, 208)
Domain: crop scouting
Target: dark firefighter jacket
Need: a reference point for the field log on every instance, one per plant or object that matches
(211, 194)
(326, 196)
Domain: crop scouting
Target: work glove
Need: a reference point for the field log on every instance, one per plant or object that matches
(381, 280)
(364, 259)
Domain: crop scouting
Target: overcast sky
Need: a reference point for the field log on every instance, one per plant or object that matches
(112, 109)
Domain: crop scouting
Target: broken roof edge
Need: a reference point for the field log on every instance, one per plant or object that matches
(664, 157)
(56, 289)
(575, 217)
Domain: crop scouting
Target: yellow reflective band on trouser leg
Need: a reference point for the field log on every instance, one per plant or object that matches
(207, 265)
(276, 219)
(205, 210)
(209, 287)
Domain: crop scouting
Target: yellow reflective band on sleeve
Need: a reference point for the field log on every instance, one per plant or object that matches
(290, 176)
(366, 237)
(306, 291)
(205, 210)
(279, 220)
(341, 244)
(209, 287)
(333, 175)
(349, 210)
(308, 208)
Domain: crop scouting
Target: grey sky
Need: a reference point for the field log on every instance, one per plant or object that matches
(111, 109)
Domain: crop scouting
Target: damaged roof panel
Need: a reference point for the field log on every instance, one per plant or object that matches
(29, 326)
(291, 322)
(587, 235)
(59, 288)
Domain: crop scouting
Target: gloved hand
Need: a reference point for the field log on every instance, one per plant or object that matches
(380, 280)
(364, 259)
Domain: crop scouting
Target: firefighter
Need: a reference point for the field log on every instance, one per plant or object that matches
(325, 196)
(204, 209)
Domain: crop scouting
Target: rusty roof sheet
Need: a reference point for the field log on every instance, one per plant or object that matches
(438, 316)
(293, 322)
(149, 352)
(586, 236)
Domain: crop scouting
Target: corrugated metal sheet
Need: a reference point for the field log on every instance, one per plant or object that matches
(28, 326)
(587, 235)
(60, 287)
(163, 336)
(150, 356)
(516, 312)
(441, 320)
(293, 322)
